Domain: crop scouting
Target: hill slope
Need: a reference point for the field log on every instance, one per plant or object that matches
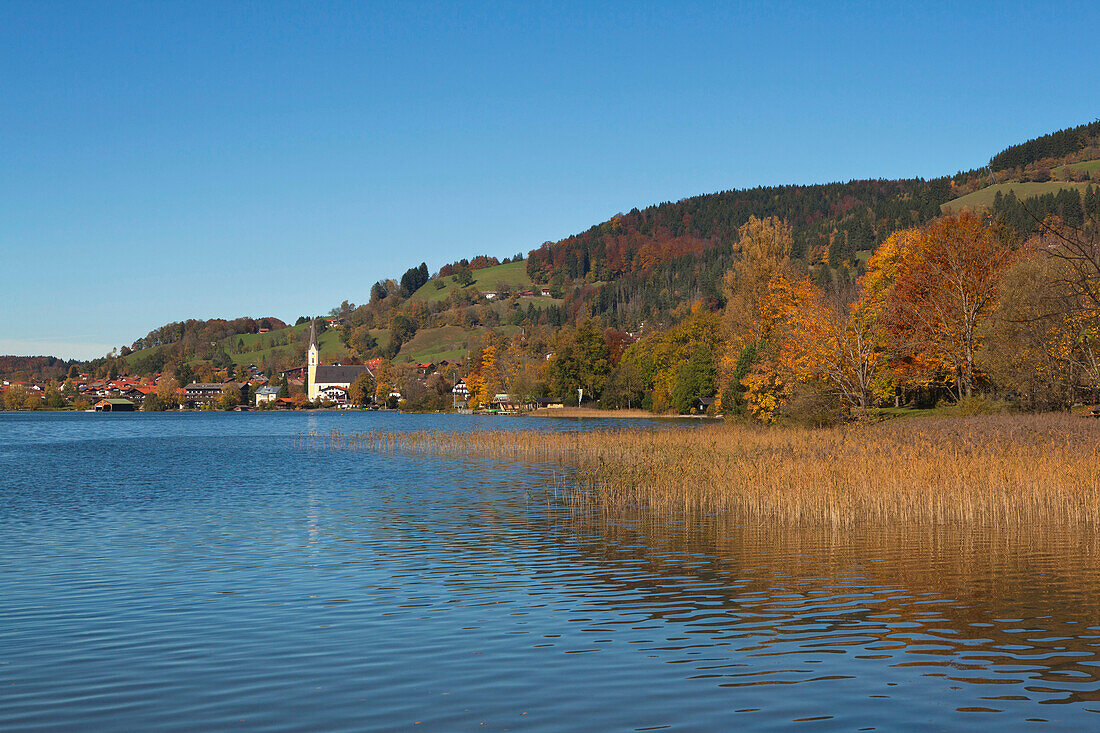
(513, 274)
(983, 199)
(644, 266)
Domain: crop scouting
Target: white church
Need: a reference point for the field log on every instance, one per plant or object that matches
(324, 381)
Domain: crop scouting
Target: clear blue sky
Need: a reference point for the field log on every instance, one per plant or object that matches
(163, 161)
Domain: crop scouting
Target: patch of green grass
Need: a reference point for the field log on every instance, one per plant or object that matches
(330, 346)
(1092, 167)
(382, 336)
(446, 342)
(264, 339)
(488, 278)
(434, 344)
(135, 356)
(983, 199)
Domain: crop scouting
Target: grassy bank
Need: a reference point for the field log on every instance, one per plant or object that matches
(1015, 469)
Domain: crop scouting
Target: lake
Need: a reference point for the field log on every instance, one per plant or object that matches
(187, 571)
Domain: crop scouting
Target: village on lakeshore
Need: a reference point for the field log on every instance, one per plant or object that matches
(312, 386)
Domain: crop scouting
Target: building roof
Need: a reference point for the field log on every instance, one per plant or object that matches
(339, 374)
(115, 401)
(268, 390)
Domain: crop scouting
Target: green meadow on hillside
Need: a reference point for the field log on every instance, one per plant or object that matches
(983, 199)
(436, 344)
(329, 343)
(488, 278)
(1092, 167)
(447, 342)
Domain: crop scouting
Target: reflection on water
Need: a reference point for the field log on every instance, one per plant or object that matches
(1019, 612)
(198, 571)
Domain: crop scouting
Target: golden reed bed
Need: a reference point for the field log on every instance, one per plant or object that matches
(974, 471)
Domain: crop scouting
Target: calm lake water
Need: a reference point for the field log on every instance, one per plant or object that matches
(206, 571)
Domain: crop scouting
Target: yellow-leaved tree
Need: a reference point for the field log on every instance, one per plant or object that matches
(764, 248)
(748, 372)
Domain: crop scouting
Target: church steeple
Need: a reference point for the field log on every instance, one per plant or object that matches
(311, 370)
(313, 353)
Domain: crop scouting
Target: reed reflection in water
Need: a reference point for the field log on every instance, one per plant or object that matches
(1003, 620)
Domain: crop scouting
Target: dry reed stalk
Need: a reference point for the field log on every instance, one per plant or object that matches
(999, 469)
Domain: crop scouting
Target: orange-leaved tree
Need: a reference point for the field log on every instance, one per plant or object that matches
(944, 288)
(835, 339)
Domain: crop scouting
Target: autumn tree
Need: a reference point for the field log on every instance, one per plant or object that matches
(732, 401)
(834, 338)
(168, 392)
(478, 394)
(15, 397)
(363, 341)
(626, 387)
(944, 290)
(385, 379)
(54, 397)
(1037, 349)
(361, 390)
(524, 374)
(764, 248)
(230, 397)
(488, 382)
(1078, 251)
(652, 367)
(463, 276)
(754, 310)
(402, 329)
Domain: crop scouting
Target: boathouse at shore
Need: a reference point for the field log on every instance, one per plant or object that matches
(115, 404)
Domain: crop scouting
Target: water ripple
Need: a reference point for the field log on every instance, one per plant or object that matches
(204, 571)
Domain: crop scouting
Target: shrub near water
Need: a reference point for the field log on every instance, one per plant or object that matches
(999, 468)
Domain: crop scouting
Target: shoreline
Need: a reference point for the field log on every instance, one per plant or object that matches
(587, 412)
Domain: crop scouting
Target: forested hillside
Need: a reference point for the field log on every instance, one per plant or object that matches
(34, 368)
(831, 221)
(639, 273)
(1055, 145)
